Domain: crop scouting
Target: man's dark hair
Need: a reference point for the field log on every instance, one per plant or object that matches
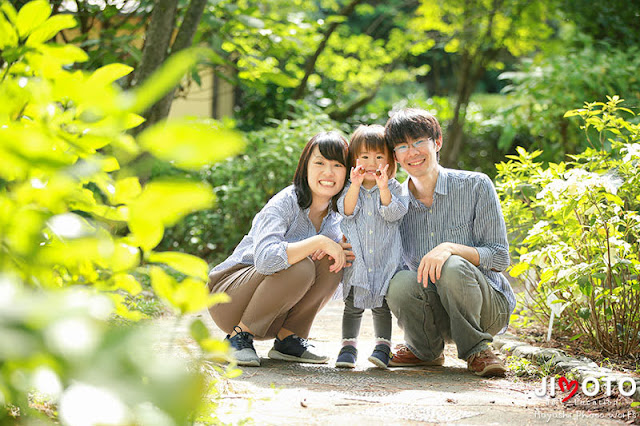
(333, 146)
(410, 124)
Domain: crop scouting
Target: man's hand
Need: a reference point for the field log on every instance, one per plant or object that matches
(431, 264)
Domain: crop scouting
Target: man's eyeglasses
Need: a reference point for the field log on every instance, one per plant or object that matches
(402, 149)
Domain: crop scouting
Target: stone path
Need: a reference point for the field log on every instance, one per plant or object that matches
(305, 394)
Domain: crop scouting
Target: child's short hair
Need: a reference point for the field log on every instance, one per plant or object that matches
(370, 138)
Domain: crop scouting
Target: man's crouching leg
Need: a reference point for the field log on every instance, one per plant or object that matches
(476, 312)
(422, 318)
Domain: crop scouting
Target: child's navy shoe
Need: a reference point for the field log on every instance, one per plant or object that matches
(347, 357)
(380, 356)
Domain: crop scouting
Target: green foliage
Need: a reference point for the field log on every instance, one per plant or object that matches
(244, 184)
(62, 345)
(477, 28)
(575, 228)
(545, 88)
(74, 216)
(614, 21)
(271, 42)
(522, 367)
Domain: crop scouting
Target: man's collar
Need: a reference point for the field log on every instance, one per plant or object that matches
(441, 183)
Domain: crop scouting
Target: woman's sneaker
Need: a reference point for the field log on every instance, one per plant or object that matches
(347, 357)
(295, 349)
(243, 350)
(380, 356)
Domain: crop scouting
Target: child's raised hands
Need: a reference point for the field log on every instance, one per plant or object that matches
(357, 173)
(382, 178)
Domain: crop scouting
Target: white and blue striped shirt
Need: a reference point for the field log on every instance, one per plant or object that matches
(465, 210)
(373, 232)
(280, 222)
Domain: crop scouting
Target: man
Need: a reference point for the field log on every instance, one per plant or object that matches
(455, 245)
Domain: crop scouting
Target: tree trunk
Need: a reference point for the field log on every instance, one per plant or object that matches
(310, 64)
(184, 38)
(467, 80)
(157, 39)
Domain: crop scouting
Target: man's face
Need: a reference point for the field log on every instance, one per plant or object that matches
(418, 156)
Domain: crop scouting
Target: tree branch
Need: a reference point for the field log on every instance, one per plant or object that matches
(310, 64)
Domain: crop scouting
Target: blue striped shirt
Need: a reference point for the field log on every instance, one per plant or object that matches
(280, 222)
(373, 231)
(465, 210)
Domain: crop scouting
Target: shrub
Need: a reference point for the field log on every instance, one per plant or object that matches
(544, 89)
(575, 228)
(75, 219)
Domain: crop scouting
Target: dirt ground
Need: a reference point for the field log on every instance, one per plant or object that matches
(289, 393)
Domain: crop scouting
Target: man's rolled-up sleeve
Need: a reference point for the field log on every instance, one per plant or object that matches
(489, 230)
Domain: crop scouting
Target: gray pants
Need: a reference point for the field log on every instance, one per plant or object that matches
(461, 307)
(352, 317)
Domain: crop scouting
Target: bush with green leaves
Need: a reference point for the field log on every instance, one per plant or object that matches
(575, 229)
(245, 183)
(544, 88)
(75, 217)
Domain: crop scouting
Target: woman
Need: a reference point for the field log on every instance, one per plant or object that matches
(290, 263)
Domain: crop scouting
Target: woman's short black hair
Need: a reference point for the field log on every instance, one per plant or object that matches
(410, 124)
(370, 138)
(333, 146)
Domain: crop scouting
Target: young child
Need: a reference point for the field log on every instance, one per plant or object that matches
(371, 207)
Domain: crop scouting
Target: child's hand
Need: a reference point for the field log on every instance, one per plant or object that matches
(357, 174)
(382, 178)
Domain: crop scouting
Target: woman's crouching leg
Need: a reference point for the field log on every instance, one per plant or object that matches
(276, 295)
(319, 292)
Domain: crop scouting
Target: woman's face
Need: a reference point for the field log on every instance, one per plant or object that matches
(325, 177)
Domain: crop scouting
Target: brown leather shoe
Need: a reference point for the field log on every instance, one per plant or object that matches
(486, 363)
(403, 357)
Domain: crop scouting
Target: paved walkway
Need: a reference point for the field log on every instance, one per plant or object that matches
(305, 394)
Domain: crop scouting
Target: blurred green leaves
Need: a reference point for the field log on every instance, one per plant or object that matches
(190, 144)
(76, 221)
(188, 296)
(162, 204)
(62, 345)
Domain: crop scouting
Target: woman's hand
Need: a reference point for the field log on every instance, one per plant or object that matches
(335, 253)
(346, 247)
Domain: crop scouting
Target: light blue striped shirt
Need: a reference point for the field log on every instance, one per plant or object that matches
(373, 231)
(465, 210)
(280, 222)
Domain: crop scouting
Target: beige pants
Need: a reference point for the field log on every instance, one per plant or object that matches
(288, 299)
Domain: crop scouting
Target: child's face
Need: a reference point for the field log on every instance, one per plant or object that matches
(372, 160)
